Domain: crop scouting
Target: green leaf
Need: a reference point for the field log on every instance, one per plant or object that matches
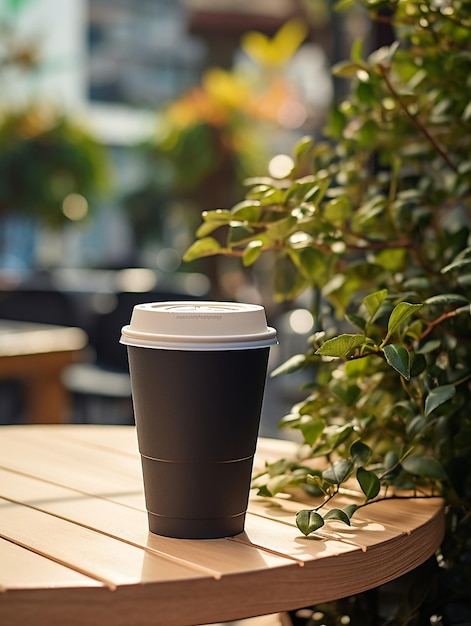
(342, 346)
(369, 483)
(446, 298)
(336, 435)
(360, 453)
(316, 193)
(311, 428)
(416, 425)
(415, 329)
(338, 472)
(281, 229)
(350, 509)
(367, 133)
(356, 320)
(338, 515)
(252, 252)
(456, 265)
(424, 466)
(356, 51)
(338, 210)
(289, 283)
(373, 301)
(400, 314)
(315, 479)
(384, 54)
(438, 396)
(293, 364)
(238, 233)
(257, 191)
(429, 346)
(302, 147)
(218, 215)
(391, 465)
(311, 263)
(201, 248)
(273, 196)
(336, 123)
(247, 210)
(348, 394)
(418, 364)
(308, 521)
(398, 358)
(348, 69)
(207, 228)
(278, 483)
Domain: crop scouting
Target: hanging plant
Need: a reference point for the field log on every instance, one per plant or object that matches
(44, 158)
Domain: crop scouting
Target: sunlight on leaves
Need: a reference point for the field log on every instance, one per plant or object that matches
(438, 396)
(398, 358)
(308, 521)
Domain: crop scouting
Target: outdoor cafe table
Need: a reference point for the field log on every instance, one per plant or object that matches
(37, 354)
(75, 547)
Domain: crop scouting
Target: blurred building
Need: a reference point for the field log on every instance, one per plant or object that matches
(140, 53)
(113, 63)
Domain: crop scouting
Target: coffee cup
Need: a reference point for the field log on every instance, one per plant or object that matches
(198, 373)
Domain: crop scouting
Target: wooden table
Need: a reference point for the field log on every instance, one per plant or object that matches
(37, 354)
(76, 550)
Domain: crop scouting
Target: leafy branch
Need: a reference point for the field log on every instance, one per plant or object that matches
(415, 119)
(371, 228)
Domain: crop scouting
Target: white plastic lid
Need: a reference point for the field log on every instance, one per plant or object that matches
(197, 325)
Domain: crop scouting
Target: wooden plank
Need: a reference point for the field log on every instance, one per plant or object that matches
(22, 569)
(95, 555)
(121, 439)
(402, 513)
(105, 473)
(271, 450)
(363, 532)
(213, 557)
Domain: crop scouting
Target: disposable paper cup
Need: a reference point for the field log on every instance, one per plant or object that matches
(198, 373)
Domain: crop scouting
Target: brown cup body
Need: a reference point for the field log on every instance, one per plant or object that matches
(197, 417)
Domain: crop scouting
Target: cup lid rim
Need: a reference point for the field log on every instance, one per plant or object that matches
(127, 334)
(203, 306)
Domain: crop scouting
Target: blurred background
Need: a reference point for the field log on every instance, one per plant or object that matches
(120, 121)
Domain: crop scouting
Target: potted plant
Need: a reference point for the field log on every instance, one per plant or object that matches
(45, 155)
(374, 223)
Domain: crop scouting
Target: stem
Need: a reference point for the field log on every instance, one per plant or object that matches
(423, 496)
(316, 308)
(431, 325)
(415, 121)
(328, 499)
(414, 496)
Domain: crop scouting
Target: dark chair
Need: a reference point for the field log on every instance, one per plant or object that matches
(43, 306)
(101, 387)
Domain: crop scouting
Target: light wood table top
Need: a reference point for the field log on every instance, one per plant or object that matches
(75, 547)
(37, 354)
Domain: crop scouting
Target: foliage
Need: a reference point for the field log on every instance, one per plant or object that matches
(44, 157)
(216, 126)
(374, 221)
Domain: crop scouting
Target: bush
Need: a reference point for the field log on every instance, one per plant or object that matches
(374, 221)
